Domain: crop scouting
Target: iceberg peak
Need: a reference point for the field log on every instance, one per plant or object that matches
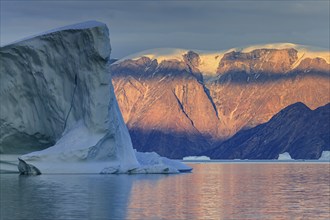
(77, 26)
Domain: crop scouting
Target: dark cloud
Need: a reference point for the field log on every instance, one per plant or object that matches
(208, 25)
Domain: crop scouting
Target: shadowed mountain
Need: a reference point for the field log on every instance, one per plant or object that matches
(296, 129)
(174, 144)
(212, 96)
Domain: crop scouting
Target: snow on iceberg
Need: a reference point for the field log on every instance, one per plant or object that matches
(56, 87)
(196, 158)
(284, 156)
(78, 26)
(325, 156)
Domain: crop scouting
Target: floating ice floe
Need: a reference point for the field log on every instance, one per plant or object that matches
(325, 156)
(284, 156)
(196, 158)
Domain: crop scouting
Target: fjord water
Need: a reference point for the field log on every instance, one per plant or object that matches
(211, 191)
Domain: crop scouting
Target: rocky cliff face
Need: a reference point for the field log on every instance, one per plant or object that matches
(180, 103)
(259, 61)
(161, 105)
(298, 130)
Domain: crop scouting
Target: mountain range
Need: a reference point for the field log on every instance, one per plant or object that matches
(186, 102)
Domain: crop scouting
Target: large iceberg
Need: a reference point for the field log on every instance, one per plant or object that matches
(56, 89)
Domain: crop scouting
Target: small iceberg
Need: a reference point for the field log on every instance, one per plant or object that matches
(151, 162)
(325, 156)
(8, 163)
(284, 156)
(196, 158)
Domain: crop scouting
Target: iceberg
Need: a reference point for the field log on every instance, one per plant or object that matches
(325, 156)
(284, 156)
(151, 162)
(56, 90)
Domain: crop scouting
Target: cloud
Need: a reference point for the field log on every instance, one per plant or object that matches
(138, 25)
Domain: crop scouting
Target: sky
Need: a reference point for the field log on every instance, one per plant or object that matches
(204, 25)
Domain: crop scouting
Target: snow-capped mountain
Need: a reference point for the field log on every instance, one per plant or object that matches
(209, 61)
(182, 102)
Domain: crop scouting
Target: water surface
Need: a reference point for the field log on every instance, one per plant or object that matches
(211, 191)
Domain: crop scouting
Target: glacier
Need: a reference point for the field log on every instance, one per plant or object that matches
(56, 91)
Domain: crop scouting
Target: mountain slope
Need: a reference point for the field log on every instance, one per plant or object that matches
(157, 110)
(179, 102)
(296, 129)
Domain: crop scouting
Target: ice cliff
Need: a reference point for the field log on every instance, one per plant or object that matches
(56, 90)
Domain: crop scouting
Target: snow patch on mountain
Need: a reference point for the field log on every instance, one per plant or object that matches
(160, 54)
(210, 59)
(304, 51)
(209, 62)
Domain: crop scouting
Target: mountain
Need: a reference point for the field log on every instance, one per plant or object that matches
(182, 102)
(298, 130)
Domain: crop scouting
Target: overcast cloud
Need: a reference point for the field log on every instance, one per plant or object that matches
(204, 25)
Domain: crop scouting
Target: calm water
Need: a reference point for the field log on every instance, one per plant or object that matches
(212, 191)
